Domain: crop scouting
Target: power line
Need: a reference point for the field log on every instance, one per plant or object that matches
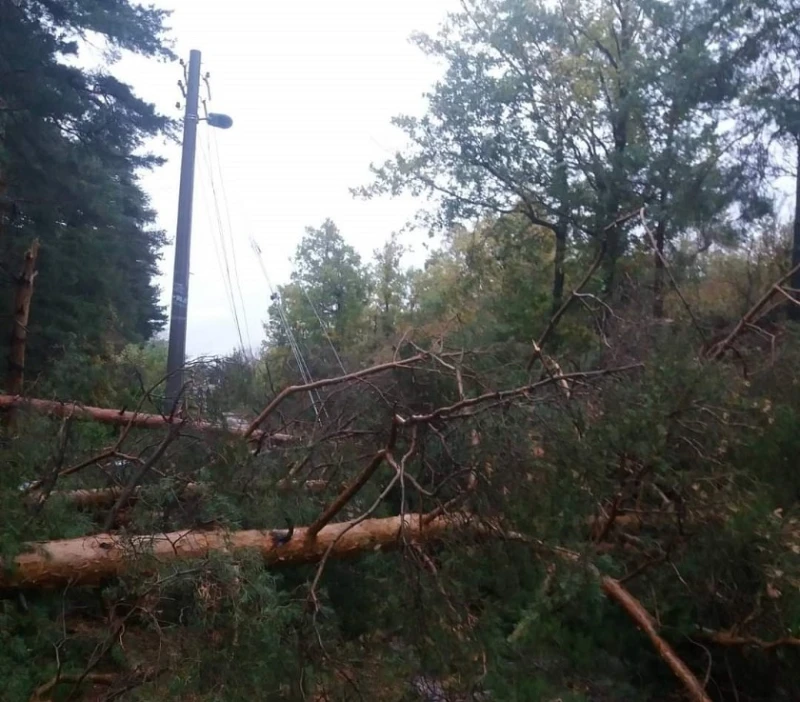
(220, 229)
(237, 277)
(216, 244)
(305, 372)
(324, 329)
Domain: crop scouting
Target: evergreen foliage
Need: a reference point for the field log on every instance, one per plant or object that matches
(72, 146)
(650, 436)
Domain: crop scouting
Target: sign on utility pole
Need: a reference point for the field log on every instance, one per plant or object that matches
(176, 359)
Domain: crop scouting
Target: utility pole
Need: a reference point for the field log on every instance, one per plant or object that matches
(176, 358)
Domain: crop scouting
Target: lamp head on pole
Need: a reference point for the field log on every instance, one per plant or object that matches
(220, 121)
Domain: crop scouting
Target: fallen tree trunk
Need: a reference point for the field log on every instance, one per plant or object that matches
(105, 497)
(117, 417)
(90, 560)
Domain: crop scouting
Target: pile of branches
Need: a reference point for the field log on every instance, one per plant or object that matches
(435, 442)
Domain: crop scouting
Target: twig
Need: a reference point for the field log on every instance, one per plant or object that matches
(554, 320)
(347, 494)
(783, 292)
(608, 522)
(728, 638)
(325, 382)
(50, 481)
(504, 395)
(107, 679)
(362, 518)
(674, 282)
(128, 490)
(716, 351)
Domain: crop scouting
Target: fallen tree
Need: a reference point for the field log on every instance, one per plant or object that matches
(105, 497)
(138, 420)
(91, 559)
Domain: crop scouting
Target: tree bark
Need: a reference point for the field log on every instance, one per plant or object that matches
(561, 228)
(620, 121)
(558, 273)
(90, 560)
(794, 281)
(121, 418)
(21, 312)
(634, 609)
(658, 280)
(98, 498)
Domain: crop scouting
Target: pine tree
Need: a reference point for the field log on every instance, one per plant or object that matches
(71, 152)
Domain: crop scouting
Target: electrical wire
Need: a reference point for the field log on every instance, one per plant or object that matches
(324, 329)
(215, 242)
(226, 272)
(305, 372)
(214, 148)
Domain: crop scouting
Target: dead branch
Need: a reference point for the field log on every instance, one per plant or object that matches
(136, 478)
(505, 395)
(113, 452)
(43, 693)
(556, 318)
(325, 382)
(634, 609)
(351, 525)
(49, 483)
(348, 493)
(728, 638)
(121, 418)
(749, 318)
(672, 280)
(89, 560)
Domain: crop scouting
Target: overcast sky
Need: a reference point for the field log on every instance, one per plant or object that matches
(311, 87)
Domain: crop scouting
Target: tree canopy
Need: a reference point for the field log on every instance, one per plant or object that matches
(72, 148)
(555, 461)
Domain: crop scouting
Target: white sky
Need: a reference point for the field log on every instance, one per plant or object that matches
(311, 87)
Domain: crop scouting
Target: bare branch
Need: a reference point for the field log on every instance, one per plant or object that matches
(554, 320)
(505, 395)
(325, 382)
(348, 493)
(749, 318)
(127, 492)
(728, 638)
(634, 609)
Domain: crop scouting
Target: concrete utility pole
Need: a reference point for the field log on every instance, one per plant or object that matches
(176, 358)
(183, 238)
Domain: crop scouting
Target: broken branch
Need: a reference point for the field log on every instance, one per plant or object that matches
(325, 382)
(749, 318)
(128, 490)
(348, 493)
(634, 609)
(728, 638)
(503, 395)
